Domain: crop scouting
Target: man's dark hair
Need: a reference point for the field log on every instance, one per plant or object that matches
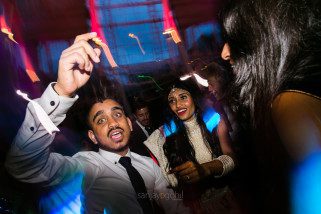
(139, 104)
(96, 90)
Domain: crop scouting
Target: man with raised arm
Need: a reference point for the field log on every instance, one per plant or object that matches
(114, 180)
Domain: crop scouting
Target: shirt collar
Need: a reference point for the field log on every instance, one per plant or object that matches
(111, 156)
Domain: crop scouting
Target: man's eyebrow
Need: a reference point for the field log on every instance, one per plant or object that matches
(117, 108)
(97, 114)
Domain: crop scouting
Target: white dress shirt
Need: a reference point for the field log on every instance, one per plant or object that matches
(106, 187)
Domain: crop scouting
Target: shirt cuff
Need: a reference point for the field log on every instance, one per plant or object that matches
(52, 103)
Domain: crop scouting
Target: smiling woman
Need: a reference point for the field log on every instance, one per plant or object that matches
(181, 103)
(192, 157)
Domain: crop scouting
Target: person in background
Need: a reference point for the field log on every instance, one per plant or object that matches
(274, 47)
(142, 128)
(195, 158)
(219, 81)
(114, 179)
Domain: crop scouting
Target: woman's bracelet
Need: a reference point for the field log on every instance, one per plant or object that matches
(228, 164)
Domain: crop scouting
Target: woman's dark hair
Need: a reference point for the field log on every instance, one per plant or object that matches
(275, 45)
(177, 147)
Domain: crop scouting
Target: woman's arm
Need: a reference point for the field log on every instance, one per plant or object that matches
(225, 140)
(191, 172)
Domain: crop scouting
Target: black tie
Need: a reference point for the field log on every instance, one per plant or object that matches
(138, 184)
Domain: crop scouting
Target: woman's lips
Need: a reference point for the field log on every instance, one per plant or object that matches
(181, 112)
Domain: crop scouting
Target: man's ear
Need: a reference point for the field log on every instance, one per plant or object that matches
(130, 124)
(92, 136)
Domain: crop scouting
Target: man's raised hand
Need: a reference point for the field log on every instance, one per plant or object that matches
(76, 65)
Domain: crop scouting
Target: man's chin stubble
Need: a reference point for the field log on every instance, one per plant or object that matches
(121, 149)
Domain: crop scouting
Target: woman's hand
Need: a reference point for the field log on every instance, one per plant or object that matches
(190, 172)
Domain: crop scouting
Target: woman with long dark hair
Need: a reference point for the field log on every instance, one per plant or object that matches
(194, 152)
(274, 47)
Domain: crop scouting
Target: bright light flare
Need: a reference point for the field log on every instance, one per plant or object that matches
(32, 75)
(65, 198)
(6, 30)
(138, 42)
(185, 77)
(10, 35)
(28, 64)
(173, 34)
(26, 60)
(306, 185)
(210, 117)
(132, 35)
(201, 80)
(198, 78)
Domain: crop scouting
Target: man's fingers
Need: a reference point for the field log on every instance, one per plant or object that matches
(72, 59)
(80, 52)
(83, 40)
(81, 49)
(90, 67)
(76, 64)
(86, 36)
(97, 51)
(89, 50)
